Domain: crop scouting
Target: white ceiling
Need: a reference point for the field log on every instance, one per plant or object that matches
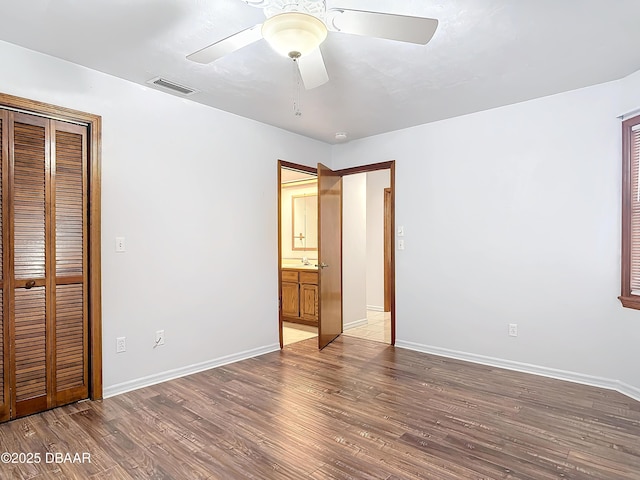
(485, 53)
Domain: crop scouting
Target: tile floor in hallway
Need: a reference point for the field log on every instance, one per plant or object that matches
(377, 328)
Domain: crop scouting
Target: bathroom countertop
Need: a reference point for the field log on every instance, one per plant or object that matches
(300, 266)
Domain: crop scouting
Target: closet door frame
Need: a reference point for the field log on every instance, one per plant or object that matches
(94, 127)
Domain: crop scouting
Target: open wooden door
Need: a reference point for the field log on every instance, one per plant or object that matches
(329, 255)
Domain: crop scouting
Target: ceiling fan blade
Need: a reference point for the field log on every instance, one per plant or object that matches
(227, 45)
(312, 69)
(403, 28)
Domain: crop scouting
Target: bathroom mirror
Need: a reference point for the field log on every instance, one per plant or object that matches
(304, 209)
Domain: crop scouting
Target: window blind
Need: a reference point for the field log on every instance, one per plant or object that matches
(635, 209)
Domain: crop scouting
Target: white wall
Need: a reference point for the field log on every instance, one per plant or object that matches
(512, 215)
(201, 260)
(376, 183)
(354, 257)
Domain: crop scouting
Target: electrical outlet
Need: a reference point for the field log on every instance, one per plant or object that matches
(159, 337)
(121, 344)
(513, 329)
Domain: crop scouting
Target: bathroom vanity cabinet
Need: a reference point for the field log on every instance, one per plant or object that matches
(299, 293)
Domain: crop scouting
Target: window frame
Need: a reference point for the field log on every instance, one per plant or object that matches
(627, 298)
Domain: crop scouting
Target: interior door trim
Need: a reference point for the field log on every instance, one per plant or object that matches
(94, 125)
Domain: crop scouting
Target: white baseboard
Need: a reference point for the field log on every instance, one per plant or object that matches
(628, 390)
(354, 324)
(375, 308)
(154, 379)
(625, 389)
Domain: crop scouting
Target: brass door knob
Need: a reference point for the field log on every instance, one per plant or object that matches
(30, 284)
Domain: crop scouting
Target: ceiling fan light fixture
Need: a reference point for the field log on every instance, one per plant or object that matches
(294, 33)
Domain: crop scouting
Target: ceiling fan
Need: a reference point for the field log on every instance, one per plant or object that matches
(297, 28)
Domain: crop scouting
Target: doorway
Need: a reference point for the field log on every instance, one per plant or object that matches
(366, 247)
(382, 311)
(297, 252)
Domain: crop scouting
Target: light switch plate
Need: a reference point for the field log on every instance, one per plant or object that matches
(401, 231)
(120, 244)
(160, 337)
(400, 244)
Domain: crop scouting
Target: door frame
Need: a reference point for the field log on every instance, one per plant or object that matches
(390, 274)
(94, 161)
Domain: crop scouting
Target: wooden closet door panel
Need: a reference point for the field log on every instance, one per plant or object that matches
(71, 344)
(4, 381)
(31, 151)
(32, 322)
(30, 351)
(4, 330)
(70, 194)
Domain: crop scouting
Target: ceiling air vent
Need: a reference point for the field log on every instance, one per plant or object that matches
(174, 87)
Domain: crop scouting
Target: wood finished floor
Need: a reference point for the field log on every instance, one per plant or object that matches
(357, 410)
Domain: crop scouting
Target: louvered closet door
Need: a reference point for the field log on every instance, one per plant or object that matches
(68, 185)
(47, 311)
(31, 330)
(5, 401)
